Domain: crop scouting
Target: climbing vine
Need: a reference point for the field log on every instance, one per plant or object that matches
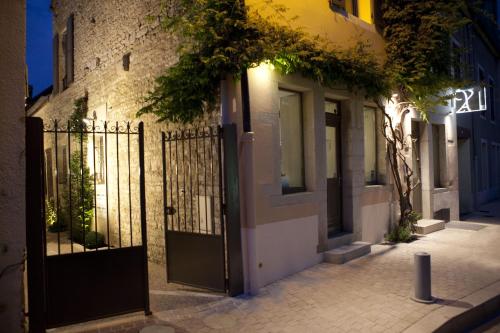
(220, 38)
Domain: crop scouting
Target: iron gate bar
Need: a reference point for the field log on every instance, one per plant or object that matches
(57, 189)
(69, 185)
(35, 226)
(82, 186)
(95, 183)
(142, 190)
(106, 180)
(118, 187)
(48, 274)
(129, 187)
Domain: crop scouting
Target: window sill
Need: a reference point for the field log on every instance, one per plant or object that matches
(377, 187)
(293, 198)
(440, 190)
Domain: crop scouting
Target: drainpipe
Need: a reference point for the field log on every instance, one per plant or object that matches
(246, 171)
(247, 141)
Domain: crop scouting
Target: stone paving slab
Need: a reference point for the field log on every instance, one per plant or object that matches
(369, 294)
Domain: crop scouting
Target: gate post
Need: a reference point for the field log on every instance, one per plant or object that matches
(35, 224)
(232, 201)
(142, 181)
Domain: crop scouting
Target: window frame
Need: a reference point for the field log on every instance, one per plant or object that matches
(296, 189)
(481, 72)
(491, 99)
(377, 169)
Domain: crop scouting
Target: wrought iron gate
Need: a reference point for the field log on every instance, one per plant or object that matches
(86, 222)
(201, 208)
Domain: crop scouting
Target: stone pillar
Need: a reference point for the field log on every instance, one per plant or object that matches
(12, 168)
(352, 146)
(426, 164)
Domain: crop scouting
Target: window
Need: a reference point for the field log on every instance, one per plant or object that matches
(491, 98)
(99, 160)
(361, 9)
(291, 142)
(484, 165)
(374, 147)
(456, 69)
(62, 165)
(482, 82)
(439, 155)
(68, 51)
(55, 64)
(49, 178)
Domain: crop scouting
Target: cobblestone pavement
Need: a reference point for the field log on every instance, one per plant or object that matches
(370, 294)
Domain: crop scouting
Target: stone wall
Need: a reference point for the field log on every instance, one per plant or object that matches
(104, 32)
(12, 167)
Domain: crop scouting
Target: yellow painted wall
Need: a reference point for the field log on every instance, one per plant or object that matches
(316, 18)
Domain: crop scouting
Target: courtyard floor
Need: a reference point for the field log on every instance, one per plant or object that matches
(370, 294)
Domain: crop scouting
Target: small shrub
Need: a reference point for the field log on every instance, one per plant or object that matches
(400, 234)
(54, 223)
(94, 239)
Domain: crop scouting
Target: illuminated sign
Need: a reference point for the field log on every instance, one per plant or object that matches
(470, 100)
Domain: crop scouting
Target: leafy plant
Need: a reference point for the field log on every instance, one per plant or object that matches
(82, 198)
(80, 209)
(219, 39)
(54, 223)
(94, 239)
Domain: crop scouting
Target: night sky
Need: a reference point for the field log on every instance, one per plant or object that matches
(39, 44)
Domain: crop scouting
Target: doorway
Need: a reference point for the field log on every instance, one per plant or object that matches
(417, 168)
(333, 168)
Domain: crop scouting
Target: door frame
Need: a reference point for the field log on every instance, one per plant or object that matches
(336, 121)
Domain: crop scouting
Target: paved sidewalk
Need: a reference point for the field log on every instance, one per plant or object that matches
(370, 294)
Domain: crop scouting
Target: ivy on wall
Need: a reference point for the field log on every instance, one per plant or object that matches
(219, 39)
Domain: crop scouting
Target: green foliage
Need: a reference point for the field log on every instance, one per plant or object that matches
(94, 239)
(52, 221)
(400, 235)
(403, 231)
(219, 39)
(81, 215)
(81, 189)
(80, 109)
(419, 56)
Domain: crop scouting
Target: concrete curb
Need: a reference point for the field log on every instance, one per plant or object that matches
(463, 314)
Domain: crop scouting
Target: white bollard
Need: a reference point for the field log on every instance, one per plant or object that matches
(423, 278)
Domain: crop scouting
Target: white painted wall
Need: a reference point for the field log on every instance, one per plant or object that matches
(286, 247)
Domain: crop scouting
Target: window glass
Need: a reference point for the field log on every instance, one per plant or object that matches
(437, 151)
(491, 98)
(291, 142)
(331, 152)
(370, 139)
(482, 81)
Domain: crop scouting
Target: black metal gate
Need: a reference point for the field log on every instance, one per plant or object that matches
(86, 222)
(199, 201)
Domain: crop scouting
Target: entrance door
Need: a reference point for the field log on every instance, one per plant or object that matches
(333, 168)
(417, 192)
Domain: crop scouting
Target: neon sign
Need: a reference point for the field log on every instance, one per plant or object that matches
(470, 100)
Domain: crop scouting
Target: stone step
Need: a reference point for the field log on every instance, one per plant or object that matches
(426, 226)
(339, 240)
(345, 253)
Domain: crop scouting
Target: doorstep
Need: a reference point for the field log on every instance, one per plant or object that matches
(427, 226)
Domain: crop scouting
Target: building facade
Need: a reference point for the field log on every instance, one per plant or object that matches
(479, 135)
(313, 169)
